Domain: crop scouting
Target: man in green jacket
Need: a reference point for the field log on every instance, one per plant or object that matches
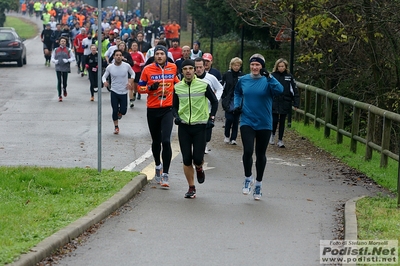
(191, 114)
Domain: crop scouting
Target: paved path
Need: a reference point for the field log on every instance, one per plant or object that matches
(159, 227)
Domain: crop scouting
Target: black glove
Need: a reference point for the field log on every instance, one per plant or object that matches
(237, 110)
(264, 72)
(178, 121)
(154, 86)
(210, 123)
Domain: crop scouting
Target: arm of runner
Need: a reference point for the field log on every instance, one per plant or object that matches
(71, 56)
(105, 76)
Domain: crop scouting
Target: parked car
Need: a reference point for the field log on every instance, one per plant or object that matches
(7, 28)
(12, 47)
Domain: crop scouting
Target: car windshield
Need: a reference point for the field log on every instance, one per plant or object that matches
(6, 36)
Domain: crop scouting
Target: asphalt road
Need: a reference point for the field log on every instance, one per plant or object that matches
(159, 227)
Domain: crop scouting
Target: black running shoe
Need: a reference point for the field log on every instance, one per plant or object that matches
(191, 194)
(200, 175)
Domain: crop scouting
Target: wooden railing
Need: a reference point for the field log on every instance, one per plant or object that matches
(322, 116)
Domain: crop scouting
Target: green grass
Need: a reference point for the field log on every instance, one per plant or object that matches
(386, 177)
(377, 217)
(373, 222)
(37, 202)
(24, 28)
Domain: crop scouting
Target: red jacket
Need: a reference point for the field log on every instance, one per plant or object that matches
(78, 43)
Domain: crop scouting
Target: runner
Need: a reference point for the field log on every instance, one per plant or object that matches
(254, 94)
(120, 84)
(47, 43)
(62, 57)
(157, 80)
(138, 63)
(193, 118)
(92, 67)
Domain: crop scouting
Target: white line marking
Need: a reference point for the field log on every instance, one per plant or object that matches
(138, 161)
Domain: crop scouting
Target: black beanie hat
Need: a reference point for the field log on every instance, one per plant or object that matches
(162, 48)
(187, 62)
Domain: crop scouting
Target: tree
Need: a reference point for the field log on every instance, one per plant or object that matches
(4, 6)
(219, 18)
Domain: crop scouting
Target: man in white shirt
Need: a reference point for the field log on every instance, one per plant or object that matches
(214, 84)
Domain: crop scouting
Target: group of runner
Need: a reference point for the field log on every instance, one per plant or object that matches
(183, 88)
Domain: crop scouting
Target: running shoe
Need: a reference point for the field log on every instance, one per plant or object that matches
(191, 194)
(119, 115)
(247, 183)
(60, 99)
(91, 99)
(164, 180)
(206, 150)
(257, 193)
(131, 104)
(157, 176)
(116, 131)
(280, 144)
(233, 142)
(272, 139)
(65, 93)
(226, 140)
(200, 175)
(82, 74)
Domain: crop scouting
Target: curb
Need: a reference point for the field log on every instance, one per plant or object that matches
(46, 247)
(350, 220)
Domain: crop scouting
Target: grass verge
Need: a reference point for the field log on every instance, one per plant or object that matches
(24, 28)
(37, 202)
(377, 217)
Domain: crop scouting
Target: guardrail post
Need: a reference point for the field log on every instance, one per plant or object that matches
(398, 179)
(355, 128)
(387, 126)
(307, 103)
(328, 116)
(317, 111)
(340, 122)
(370, 135)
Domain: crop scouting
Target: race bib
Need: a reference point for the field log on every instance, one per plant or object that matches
(94, 69)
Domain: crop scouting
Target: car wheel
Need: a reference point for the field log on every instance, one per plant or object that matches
(24, 60)
(20, 62)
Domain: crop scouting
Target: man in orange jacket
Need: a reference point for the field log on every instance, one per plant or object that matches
(158, 80)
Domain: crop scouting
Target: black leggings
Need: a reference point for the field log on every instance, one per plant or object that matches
(119, 104)
(160, 122)
(62, 77)
(261, 137)
(93, 81)
(80, 62)
(192, 141)
(231, 122)
(281, 119)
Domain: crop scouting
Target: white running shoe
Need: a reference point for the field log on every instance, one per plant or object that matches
(226, 140)
(272, 139)
(280, 144)
(233, 142)
(164, 180)
(157, 176)
(247, 183)
(206, 150)
(257, 193)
